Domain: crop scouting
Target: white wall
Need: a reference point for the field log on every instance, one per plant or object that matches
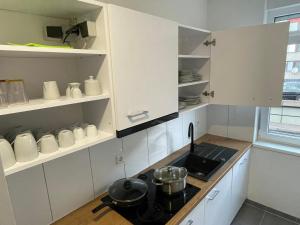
(189, 12)
(234, 13)
(274, 180)
(271, 4)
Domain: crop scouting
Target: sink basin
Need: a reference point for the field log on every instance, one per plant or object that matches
(205, 160)
(198, 166)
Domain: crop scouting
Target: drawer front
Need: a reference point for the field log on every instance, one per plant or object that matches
(196, 217)
(217, 202)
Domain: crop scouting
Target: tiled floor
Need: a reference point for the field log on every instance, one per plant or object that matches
(251, 215)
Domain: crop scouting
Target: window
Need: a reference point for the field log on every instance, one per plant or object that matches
(282, 124)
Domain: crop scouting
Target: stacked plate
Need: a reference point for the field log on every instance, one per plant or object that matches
(189, 100)
(188, 76)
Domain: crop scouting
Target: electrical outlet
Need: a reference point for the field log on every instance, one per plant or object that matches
(119, 157)
(53, 33)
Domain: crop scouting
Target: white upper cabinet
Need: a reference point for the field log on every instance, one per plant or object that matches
(248, 64)
(144, 52)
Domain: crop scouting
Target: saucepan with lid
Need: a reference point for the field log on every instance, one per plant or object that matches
(170, 179)
(126, 192)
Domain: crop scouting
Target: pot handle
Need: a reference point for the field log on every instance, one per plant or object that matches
(99, 207)
(157, 183)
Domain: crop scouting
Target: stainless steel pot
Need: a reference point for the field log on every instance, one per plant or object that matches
(170, 179)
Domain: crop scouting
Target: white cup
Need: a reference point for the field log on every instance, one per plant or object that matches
(50, 90)
(79, 133)
(65, 138)
(7, 154)
(25, 147)
(75, 90)
(91, 131)
(48, 144)
(92, 87)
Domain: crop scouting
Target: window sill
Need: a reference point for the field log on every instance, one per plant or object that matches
(284, 149)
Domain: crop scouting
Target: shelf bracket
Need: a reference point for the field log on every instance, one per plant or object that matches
(213, 42)
(211, 93)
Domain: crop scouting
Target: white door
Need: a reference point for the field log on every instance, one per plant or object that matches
(217, 202)
(240, 183)
(144, 52)
(196, 217)
(248, 64)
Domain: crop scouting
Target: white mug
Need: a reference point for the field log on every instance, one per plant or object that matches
(92, 87)
(25, 147)
(79, 133)
(47, 144)
(91, 131)
(65, 138)
(75, 90)
(50, 90)
(7, 154)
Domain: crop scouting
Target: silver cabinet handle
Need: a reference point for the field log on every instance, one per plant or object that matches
(137, 113)
(215, 193)
(190, 222)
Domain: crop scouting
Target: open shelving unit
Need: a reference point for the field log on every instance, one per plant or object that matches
(38, 104)
(193, 83)
(42, 158)
(194, 56)
(25, 51)
(193, 107)
(34, 65)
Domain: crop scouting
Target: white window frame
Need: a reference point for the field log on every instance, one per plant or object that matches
(262, 113)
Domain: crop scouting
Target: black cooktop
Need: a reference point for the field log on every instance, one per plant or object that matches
(158, 208)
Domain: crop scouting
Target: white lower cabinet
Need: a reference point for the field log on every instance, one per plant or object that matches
(196, 217)
(223, 202)
(217, 202)
(239, 183)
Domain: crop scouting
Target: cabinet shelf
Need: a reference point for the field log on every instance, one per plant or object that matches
(195, 29)
(38, 104)
(65, 9)
(193, 83)
(26, 51)
(193, 56)
(193, 107)
(42, 158)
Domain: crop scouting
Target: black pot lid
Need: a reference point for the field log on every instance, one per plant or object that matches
(128, 190)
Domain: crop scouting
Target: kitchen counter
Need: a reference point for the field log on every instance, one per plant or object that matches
(84, 216)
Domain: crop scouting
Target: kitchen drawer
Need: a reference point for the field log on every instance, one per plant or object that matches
(217, 202)
(196, 217)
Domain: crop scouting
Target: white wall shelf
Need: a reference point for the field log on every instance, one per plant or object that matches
(42, 158)
(193, 107)
(193, 83)
(25, 51)
(54, 8)
(38, 104)
(181, 26)
(193, 56)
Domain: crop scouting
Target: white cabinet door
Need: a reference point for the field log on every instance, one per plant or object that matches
(240, 183)
(196, 217)
(248, 64)
(217, 202)
(144, 51)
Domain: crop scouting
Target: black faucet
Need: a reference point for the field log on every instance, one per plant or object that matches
(191, 135)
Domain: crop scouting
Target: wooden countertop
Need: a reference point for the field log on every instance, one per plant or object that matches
(84, 216)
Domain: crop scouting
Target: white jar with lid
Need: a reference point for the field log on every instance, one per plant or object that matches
(92, 87)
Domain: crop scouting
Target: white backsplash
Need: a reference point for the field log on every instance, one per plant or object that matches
(69, 182)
